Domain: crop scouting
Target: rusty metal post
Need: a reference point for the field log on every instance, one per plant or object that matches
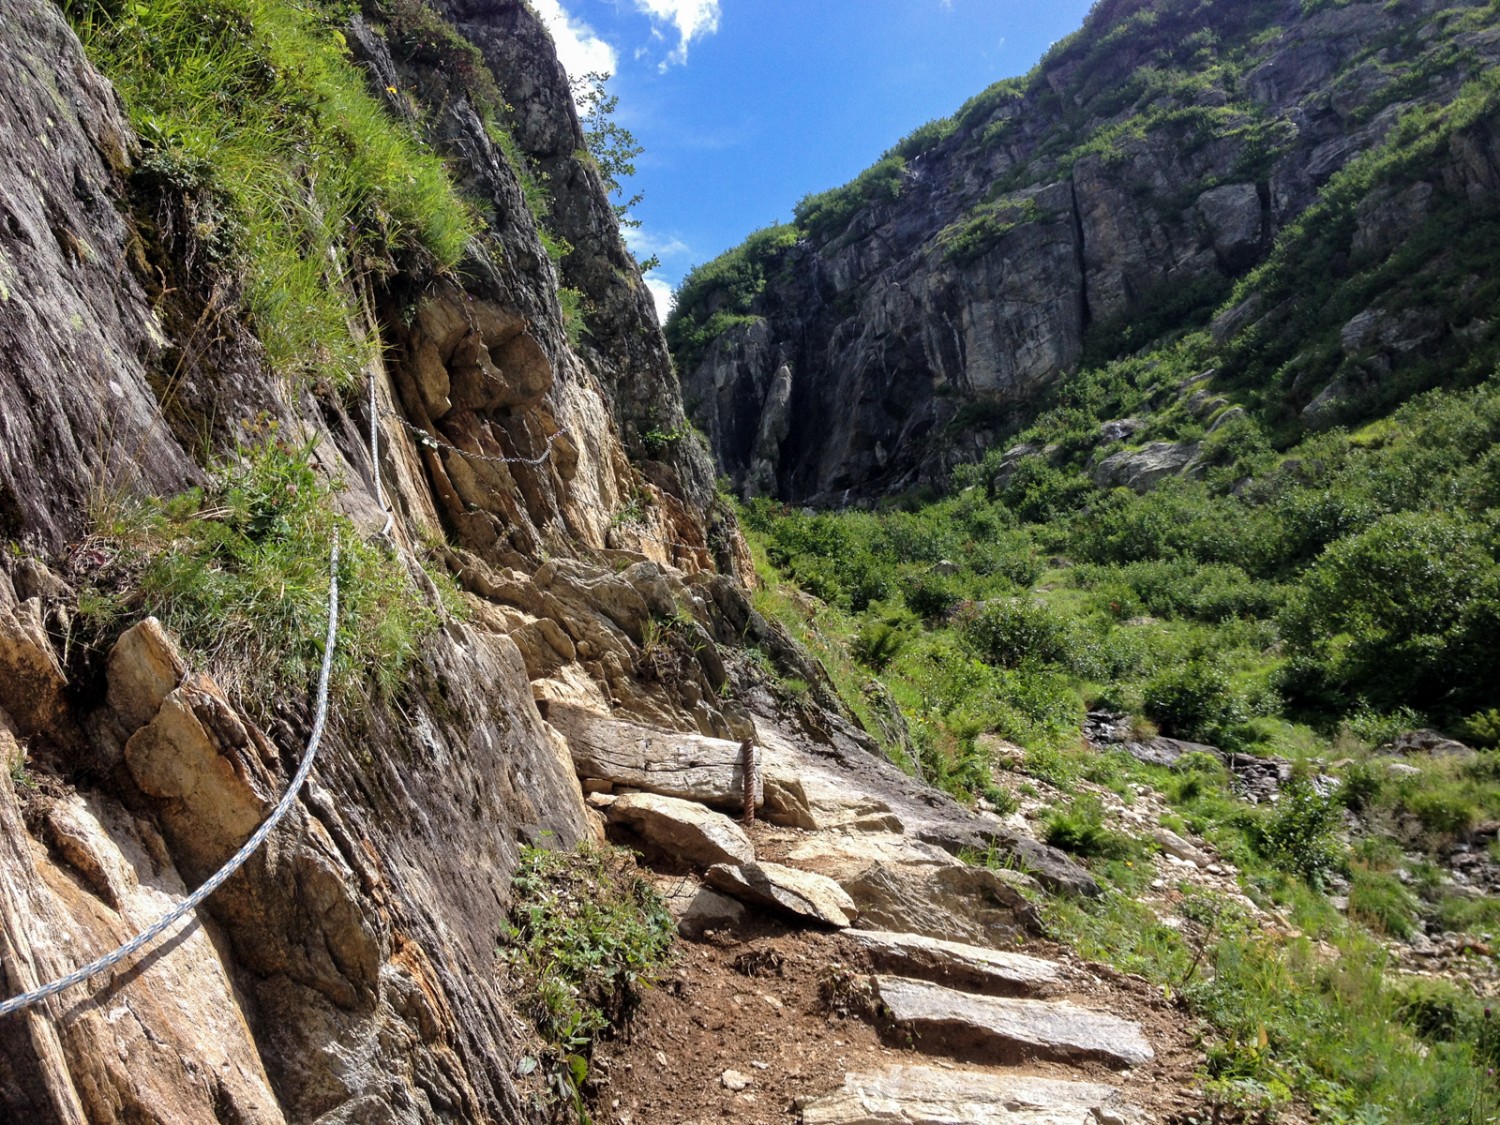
(747, 772)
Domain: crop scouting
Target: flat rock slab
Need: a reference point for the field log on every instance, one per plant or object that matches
(927, 1095)
(684, 829)
(1012, 1028)
(691, 766)
(970, 967)
(954, 903)
(800, 893)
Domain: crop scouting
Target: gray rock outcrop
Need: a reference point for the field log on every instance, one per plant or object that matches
(1071, 216)
(1010, 1028)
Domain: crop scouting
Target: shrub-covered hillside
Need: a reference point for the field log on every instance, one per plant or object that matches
(1240, 520)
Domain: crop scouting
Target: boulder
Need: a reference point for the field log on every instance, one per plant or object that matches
(685, 829)
(802, 793)
(1232, 213)
(144, 668)
(800, 893)
(1428, 742)
(1010, 1030)
(1140, 469)
(708, 910)
(1166, 751)
(1173, 844)
(209, 768)
(991, 972)
(927, 1095)
(693, 767)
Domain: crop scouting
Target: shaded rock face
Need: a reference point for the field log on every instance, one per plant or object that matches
(343, 975)
(645, 394)
(68, 300)
(1051, 224)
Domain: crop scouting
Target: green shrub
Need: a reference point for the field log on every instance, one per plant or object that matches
(930, 595)
(882, 636)
(1079, 828)
(1007, 631)
(1362, 786)
(1297, 833)
(1406, 612)
(1196, 701)
(1444, 810)
(586, 935)
(1482, 728)
(827, 213)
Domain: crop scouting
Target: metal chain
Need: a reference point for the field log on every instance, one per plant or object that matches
(390, 519)
(425, 439)
(162, 924)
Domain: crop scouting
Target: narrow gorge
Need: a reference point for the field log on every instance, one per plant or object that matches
(876, 696)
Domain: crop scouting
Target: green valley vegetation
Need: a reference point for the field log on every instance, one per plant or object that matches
(1308, 605)
(1312, 585)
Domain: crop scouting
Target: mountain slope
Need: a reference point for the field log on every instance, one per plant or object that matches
(1132, 185)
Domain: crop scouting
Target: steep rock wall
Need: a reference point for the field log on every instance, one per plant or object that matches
(1113, 195)
(347, 973)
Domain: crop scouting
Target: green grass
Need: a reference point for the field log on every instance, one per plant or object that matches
(303, 178)
(586, 935)
(238, 571)
(1316, 1017)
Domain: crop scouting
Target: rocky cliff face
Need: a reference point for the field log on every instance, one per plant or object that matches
(347, 973)
(1113, 197)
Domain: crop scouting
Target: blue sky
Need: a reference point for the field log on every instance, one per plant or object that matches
(745, 106)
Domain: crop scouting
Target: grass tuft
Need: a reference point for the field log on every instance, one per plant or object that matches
(257, 103)
(586, 935)
(238, 571)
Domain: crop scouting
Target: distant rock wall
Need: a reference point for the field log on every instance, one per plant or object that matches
(1083, 215)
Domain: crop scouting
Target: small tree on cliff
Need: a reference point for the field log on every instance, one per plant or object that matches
(612, 146)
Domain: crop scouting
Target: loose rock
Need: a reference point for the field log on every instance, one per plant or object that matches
(685, 829)
(800, 893)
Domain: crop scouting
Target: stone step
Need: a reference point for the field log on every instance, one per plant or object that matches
(927, 1095)
(800, 893)
(971, 968)
(1010, 1030)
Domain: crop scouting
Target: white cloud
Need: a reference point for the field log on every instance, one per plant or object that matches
(578, 46)
(691, 18)
(643, 244)
(661, 293)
